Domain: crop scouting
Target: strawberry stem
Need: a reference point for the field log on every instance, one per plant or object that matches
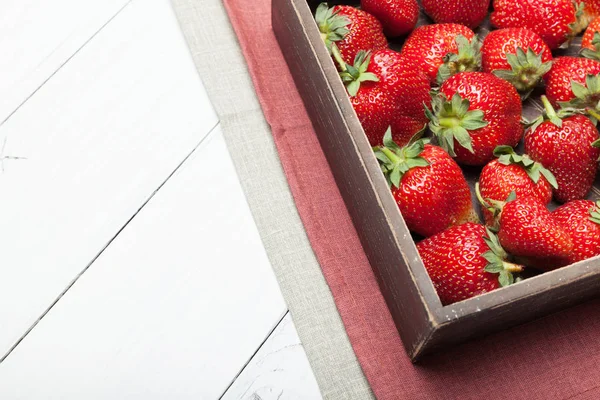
(510, 267)
(493, 206)
(390, 154)
(449, 122)
(548, 106)
(338, 57)
(593, 113)
(550, 112)
(480, 197)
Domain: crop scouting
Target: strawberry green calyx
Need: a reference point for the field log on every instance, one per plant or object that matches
(595, 213)
(507, 156)
(452, 120)
(527, 69)
(587, 97)
(495, 207)
(593, 54)
(395, 161)
(467, 59)
(354, 75)
(581, 22)
(333, 27)
(497, 264)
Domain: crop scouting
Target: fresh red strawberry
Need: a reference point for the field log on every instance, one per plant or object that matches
(573, 82)
(398, 17)
(590, 43)
(473, 114)
(554, 20)
(514, 173)
(350, 29)
(443, 49)
(465, 261)
(590, 11)
(528, 231)
(566, 147)
(588, 36)
(429, 187)
(517, 55)
(470, 13)
(386, 90)
(581, 218)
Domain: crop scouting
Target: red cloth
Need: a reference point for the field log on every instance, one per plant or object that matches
(557, 357)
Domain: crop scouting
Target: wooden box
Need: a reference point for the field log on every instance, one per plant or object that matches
(424, 324)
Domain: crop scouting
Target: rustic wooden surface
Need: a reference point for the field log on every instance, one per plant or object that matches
(423, 323)
(120, 208)
(279, 370)
(96, 141)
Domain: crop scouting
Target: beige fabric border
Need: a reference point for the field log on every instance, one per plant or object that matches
(222, 68)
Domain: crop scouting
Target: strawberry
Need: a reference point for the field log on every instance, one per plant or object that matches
(566, 146)
(590, 43)
(573, 82)
(427, 184)
(590, 11)
(465, 261)
(473, 114)
(517, 55)
(514, 173)
(554, 20)
(386, 90)
(398, 17)
(527, 230)
(350, 29)
(581, 218)
(470, 13)
(443, 49)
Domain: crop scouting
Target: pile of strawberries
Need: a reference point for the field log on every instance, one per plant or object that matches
(451, 98)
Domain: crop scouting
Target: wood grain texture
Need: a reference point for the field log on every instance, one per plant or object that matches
(278, 371)
(423, 323)
(173, 308)
(95, 142)
(38, 37)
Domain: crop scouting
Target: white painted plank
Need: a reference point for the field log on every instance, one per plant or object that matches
(171, 310)
(38, 36)
(278, 371)
(99, 138)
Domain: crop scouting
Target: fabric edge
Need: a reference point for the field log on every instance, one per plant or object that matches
(298, 272)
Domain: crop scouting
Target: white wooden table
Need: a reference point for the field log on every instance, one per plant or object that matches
(130, 265)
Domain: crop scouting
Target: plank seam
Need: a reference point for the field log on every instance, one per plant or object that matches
(254, 354)
(63, 64)
(70, 285)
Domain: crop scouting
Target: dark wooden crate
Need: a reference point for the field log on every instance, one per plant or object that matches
(424, 324)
